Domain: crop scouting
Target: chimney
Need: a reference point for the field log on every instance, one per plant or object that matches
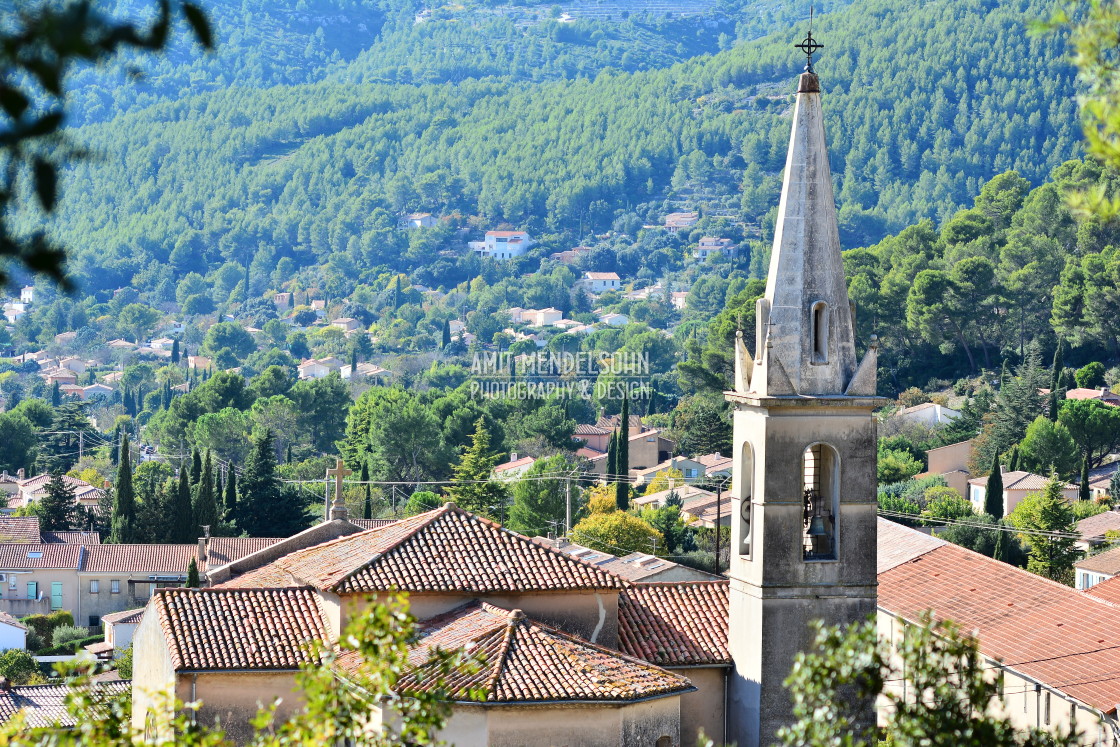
(21, 473)
(5, 684)
(204, 549)
(513, 456)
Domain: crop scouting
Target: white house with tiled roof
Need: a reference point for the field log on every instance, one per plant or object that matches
(600, 282)
(1017, 485)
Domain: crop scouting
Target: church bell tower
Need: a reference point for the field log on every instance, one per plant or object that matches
(804, 488)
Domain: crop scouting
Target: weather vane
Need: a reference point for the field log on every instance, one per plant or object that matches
(810, 45)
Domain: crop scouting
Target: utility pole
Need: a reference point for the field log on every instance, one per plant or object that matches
(568, 506)
(326, 499)
(719, 502)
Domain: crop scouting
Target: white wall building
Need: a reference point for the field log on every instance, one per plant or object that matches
(503, 244)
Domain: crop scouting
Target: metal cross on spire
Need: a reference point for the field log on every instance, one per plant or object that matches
(810, 45)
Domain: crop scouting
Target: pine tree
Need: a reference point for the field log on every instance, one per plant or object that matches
(123, 522)
(205, 508)
(196, 467)
(622, 485)
(58, 508)
(267, 509)
(993, 496)
(1083, 492)
(175, 352)
(192, 575)
(182, 529)
(1052, 554)
(474, 491)
(367, 504)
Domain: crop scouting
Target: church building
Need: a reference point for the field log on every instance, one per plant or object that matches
(581, 655)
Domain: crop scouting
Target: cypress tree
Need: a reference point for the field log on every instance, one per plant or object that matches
(396, 292)
(622, 486)
(993, 496)
(367, 504)
(654, 402)
(123, 518)
(1083, 492)
(231, 497)
(1056, 368)
(181, 513)
(1053, 406)
(1114, 489)
(205, 508)
(353, 362)
(175, 351)
(1013, 464)
(288, 455)
(192, 575)
(56, 394)
(196, 467)
(612, 456)
(446, 333)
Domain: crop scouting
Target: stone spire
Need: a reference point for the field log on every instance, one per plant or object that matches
(804, 343)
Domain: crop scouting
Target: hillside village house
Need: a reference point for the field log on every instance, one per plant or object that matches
(928, 413)
(614, 320)
(514, 467)
(1017, 485)
(318, 368)
(676, 221)
(570, 255)
(1093, 529)
(347, 324)
(598, 283)
(418, 220)
(503, 244)
(710, 245)
(541, 317)
(951, 463)
(1104, 394)
(27, 294)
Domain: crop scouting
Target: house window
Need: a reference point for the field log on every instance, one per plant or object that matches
(94, 587)
(820, 502)
(819, 333)
(115, 587)
(94, 621)
(32, 589)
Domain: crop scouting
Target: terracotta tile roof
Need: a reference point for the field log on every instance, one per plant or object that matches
(17, 529)
(166, 559)
(371, 523)
(586, 429)
(28, 556)
(899, 544)
(675, 624)
(222, 550)
(1094, 527)
(1108, 590)
(526, 661)
(217, 629)
(1056, 635)
(73, 538)
(45, 705)
(1019, 480)
(514, 464)
(7, 619)
(1107, 562)
(126, 617)
(445, 550)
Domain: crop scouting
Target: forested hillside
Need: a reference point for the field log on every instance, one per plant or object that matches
(315, 171)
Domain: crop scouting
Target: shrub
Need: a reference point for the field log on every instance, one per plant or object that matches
(912, 396)
(64, 634)
(18, 666)
(1090, 376)
(60, 617)
(124, 664)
